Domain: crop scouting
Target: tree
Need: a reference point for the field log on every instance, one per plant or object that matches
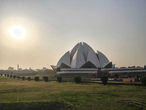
(10, 68)
(14, 76)
(28, 78)
(36, 78)
(23, 78)
(78, 79)
(143, 80)
(59, 79)
(45, 78)
(104, 80)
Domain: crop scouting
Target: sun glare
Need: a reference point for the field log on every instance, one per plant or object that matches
(18, 32)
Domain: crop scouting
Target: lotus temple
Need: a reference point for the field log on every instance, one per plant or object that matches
(81, 60)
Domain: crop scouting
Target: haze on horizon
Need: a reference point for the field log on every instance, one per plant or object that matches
(115, 27)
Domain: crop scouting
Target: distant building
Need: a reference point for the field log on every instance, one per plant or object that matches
(10, 68)
(17, 66)
(20, 69)
(30, 68)
(129, 79)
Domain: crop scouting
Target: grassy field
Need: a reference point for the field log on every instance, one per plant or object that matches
(16, 94)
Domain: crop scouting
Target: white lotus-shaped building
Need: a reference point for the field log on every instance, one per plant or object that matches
(82, 57)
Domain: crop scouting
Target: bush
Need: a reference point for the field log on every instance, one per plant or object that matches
(10, 76)
(104, 80)
(18, 77)
(45, 78)
(23, 78)
(14, 76)
(36, 78)
(143, 81)
(59, 79)
(28, 78)
(78, 79)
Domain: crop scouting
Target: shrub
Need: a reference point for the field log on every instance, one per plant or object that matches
(104, 80)
(14, 76)
(23, 78)
(143, 80)
(18, 77)
(28, 78)
(59, 79)
(45, 78)
(36, 78)
(11, 76)
(78, 79)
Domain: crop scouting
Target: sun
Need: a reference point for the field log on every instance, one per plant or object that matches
(18, 32)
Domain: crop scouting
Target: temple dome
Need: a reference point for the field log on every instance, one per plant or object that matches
(83, 56)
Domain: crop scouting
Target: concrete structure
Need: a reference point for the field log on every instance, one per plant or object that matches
(127, 73)
(82, 59)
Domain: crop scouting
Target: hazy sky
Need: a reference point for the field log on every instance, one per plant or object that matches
(115, 27)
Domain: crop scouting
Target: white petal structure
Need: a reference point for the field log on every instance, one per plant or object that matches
(65, 59)
(92, 57)
(78, 59)
(83, 56)
(102, 59)
(73, 51)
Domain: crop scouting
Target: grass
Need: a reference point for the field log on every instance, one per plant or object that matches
(84, 96)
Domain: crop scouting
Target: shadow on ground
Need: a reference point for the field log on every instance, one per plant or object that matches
(35, 106)
(110, 83)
